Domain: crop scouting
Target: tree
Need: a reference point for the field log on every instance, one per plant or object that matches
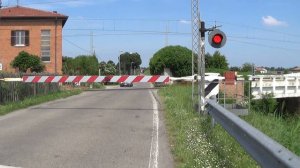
(102, 66)
(81, 65)
(219, 61)
(247, 67)
(109, 68)
(235, 68)
(86, 65)
(208, 61)
(129, 61)
(111, 62)
(68, 67)
(25, 61)
(216, 61)
(177, 58)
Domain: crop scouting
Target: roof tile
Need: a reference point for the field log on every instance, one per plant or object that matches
(23, 12)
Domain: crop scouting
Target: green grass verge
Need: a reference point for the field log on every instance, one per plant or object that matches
(194, 143)
(285, 131)
(10, 107)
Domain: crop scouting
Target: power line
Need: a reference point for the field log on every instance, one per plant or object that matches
(129, 19)
(263, 45)
(257, 28)
(121, 34)
(77, 46)
(127, 30)
(264, 39)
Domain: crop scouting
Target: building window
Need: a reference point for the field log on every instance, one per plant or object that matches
(20, 38)
(45, 45)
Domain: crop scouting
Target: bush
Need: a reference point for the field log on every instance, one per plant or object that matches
(266, 105)
(25, 61)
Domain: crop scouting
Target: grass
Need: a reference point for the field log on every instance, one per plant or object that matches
(285, 131)
(10, 107)
(194, 143)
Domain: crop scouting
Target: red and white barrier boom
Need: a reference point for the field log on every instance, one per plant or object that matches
(96, 79)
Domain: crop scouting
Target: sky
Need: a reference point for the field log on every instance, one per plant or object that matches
(262, 32)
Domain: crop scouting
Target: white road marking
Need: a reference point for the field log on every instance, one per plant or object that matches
(8, 167)
(154, 152)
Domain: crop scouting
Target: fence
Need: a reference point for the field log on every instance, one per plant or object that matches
(16, 91)
(235, 96)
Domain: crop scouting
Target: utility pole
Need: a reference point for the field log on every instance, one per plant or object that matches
(167, 34)
(18, 3)
(120, 65)
(92, 43)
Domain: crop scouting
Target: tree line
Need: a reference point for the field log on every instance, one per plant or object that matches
(176, 58)
(80, 65)
(88, 65)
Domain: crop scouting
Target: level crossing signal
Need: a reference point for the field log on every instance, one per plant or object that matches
(217, 38)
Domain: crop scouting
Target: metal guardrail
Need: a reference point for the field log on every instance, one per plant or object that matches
(267, 152)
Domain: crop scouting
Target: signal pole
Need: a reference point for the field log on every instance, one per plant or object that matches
(198, 47)
(195, 21)
(217, 39)
(202, 66)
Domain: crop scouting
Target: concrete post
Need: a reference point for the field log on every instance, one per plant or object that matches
(260, 85)
(274, 85)
(285, 86)
(297, 84)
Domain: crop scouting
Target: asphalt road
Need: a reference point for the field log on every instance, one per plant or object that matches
(116, 128)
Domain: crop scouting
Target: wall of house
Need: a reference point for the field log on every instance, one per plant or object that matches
(8, 52)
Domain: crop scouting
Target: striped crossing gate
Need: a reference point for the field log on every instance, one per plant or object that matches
(96, 79)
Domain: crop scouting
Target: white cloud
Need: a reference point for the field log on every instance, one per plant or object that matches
(271, 21)
(185, 21)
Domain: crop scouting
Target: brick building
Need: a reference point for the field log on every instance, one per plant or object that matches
(34, 31)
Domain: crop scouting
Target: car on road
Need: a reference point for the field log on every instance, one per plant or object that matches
(126, 84)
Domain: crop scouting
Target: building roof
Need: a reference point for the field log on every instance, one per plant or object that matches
(296, 68)
(260, 69)
(18, 12)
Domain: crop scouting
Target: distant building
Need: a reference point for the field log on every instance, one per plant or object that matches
(35, 31)
(261, 70)
(295, 70)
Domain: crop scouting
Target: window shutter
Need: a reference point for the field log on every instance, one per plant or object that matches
(13, 38)
(26, 38)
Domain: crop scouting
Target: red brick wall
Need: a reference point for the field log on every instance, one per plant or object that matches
(8, 52)
(232, 90)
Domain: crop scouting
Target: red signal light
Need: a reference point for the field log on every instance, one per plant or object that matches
(217, 39)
